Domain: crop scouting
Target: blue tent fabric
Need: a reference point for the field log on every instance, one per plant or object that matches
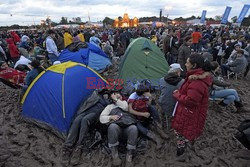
(53, 93)
(84, 56)
(97, 62)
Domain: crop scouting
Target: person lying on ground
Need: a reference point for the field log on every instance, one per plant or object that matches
(87, 117)
(14, 76)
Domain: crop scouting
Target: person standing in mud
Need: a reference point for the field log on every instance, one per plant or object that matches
(192, 103)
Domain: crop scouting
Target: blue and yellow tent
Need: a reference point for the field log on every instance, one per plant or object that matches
(55, 95)
(91, 56)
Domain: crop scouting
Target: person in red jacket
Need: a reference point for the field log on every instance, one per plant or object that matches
(15, 37)
(14, 52)
(192, 103)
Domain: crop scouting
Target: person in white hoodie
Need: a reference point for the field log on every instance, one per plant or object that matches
(51, 47)
(23, 64)
(115, 130)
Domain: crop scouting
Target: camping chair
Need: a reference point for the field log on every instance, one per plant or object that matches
(233, 74)
(12, 85)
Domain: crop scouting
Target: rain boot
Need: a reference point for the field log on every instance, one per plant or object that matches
(240, 107)
(155, 138)
(115, 157)
(129, 157)
(76, 155)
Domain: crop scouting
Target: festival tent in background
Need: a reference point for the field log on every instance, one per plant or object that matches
(91, 56)
(143, 60)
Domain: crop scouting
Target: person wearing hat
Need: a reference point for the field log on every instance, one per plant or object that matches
(236, 65)
(172, 81)
(36, 69)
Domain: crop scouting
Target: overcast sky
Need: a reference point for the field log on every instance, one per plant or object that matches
(28, 12)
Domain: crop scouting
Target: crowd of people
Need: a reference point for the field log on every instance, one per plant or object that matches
(195, 55)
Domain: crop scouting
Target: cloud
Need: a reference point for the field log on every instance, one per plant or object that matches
(29, 11)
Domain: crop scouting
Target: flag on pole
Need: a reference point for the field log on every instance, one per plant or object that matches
(203, 16)
(243, 13)
(225, 15)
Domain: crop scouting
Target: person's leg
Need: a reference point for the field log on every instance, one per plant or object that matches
(229, 95)
(154, 113)
(143, 130)
(86, 122)
(181, 143)
(131, 133)
(224, 69)
(73, 132)
(114, 132)
(52, 57)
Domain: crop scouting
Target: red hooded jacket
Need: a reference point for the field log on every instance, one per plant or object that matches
(15, 37)
(14, 53)
(191, 111)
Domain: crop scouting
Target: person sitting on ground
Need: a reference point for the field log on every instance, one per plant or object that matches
(219, 90)
(87, 117)
(22, 64)
(14, 76)
(172, 81)
(36, 69)
(121, 125)
(139, 104)
(236, 66)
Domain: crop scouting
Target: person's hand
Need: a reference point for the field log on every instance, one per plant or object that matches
(114, 96)
(175, 91)
(147, 94)
(193, 77)
(118, 96)
(146, 114)
(115, 117)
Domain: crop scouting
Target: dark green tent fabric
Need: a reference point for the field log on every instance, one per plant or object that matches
(143, 60)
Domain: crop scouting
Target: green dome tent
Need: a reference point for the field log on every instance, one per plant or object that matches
(143, 60)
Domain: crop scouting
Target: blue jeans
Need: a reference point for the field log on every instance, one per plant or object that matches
(142, 126)
(229, 95)
(224, 69)
(52, 57)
